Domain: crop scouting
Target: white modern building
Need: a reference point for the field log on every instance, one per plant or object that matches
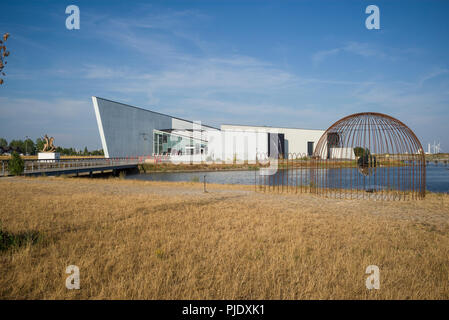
(298, 141)
(130, 131)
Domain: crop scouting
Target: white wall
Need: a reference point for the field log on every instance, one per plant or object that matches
(295, 139)
(244, 145)
(342, 153)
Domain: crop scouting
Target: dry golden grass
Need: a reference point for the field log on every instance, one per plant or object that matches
(155, 240)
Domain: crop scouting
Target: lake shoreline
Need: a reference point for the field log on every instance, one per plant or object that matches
(437, 177)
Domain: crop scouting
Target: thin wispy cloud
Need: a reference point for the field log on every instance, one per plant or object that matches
(432, 75)
(365, 50)
(211, 64)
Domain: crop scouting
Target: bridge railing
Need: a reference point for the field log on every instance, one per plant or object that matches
(32, 166)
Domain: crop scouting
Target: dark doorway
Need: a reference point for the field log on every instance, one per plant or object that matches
(310, 148)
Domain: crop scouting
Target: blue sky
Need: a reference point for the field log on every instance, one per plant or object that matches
(281, 63)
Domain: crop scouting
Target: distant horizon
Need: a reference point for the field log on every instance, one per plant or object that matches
(295, 64)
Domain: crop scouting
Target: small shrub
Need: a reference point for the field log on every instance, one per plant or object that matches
(360, 152)
(195, 179)
(16, 164)
(122, 175)
(14, 241)
(142, 168)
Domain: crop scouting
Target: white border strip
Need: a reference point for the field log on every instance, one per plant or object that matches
(100, 127)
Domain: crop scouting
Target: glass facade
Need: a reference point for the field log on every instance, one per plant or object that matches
(169, 143)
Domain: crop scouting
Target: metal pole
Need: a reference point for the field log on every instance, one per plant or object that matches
(26, 144)
(204, 183)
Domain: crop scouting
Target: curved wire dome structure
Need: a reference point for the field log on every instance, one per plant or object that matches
(369, 155)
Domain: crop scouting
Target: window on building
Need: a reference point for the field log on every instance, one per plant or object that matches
(176, 144)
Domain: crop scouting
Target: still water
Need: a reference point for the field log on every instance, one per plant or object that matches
(437, 177)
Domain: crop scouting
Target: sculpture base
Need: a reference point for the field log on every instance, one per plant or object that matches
(48, 156)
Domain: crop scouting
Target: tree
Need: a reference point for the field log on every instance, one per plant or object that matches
(3, 54)
(365, 159)
(17, 145)
(97, 152)
(16, 165)
(39, 144)
(3, 146)
(33, 147)
(29, 146)
(3, 143)
(360, 152)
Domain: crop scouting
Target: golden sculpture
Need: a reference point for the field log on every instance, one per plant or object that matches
(48, 146)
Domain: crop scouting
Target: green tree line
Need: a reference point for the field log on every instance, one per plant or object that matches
(30, 147)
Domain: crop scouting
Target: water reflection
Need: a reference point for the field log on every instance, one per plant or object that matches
(437, 177)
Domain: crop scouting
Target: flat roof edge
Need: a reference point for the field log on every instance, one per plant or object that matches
(272, 127)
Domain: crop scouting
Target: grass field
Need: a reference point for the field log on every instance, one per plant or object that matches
(157, 240)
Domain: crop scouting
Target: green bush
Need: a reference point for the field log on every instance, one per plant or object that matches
(360, 152)
(16, 164)
(14, 241)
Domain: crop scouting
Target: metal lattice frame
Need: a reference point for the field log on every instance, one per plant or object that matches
(369, 155)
